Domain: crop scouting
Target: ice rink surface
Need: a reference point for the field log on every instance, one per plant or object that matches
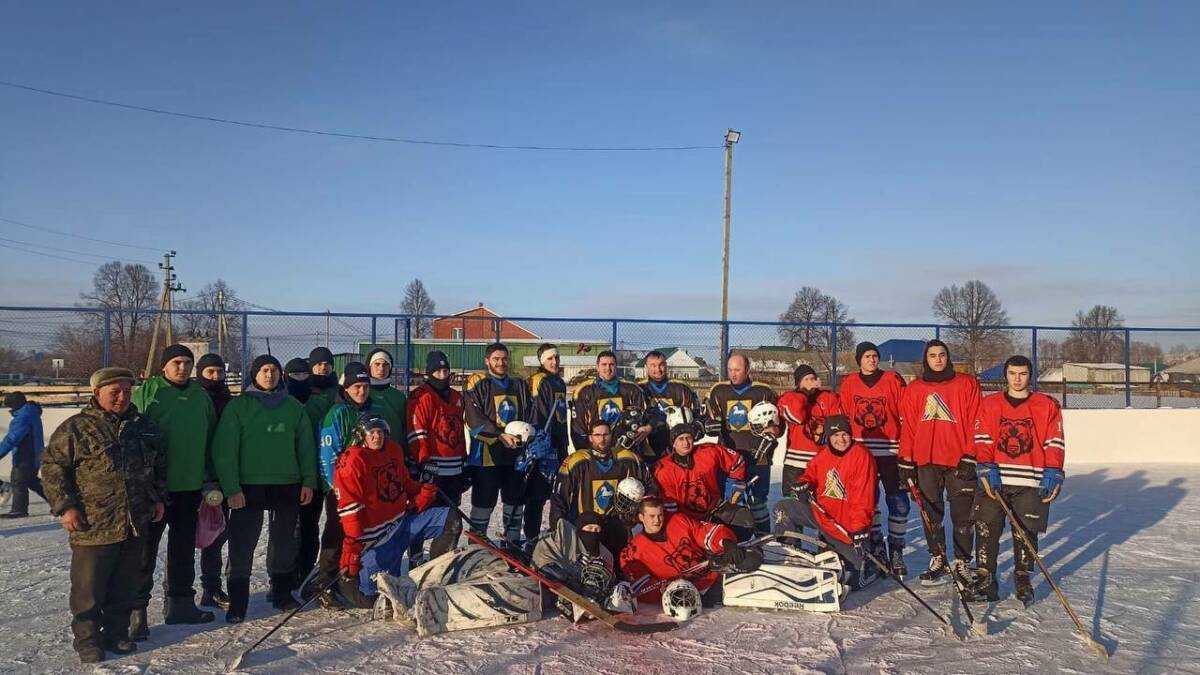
(1124, 544)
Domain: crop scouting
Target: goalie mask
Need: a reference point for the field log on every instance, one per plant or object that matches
(629, 492)
(681, 600)
(523, 431)
(763, 415)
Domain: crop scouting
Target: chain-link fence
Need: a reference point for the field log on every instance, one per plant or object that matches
(1081, 367)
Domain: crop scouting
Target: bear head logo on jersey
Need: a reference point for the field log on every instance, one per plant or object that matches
(695, 495)
(387, 482)
(1016, 436)
(870, 412)
(685, 556)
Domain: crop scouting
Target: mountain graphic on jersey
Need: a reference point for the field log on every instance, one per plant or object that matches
(602, 495)
(506, 408)
(834, 487)
(1016, 436)
(937, 410)
(737, 415)
(609, 409)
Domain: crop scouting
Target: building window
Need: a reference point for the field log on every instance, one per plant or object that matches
(456, 333)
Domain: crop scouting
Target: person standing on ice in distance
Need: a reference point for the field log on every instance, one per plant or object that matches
(493, 399)
(871, 398)
(210, 374)
(606, 398)
(805, 410)
(106, 478)
(548, 415)
(1020, 451)
(187, 418)
(24, 441)
(437, 444)
(937, 452)
(662, 393)
(727, 416)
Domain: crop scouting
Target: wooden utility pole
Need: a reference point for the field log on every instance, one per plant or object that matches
(731, 139)
(165, 306)
(222, 324)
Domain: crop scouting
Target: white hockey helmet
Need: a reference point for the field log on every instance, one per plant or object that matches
(524, 431)
(677, 415)
(764, 414)
(681, 600)
(629, 492)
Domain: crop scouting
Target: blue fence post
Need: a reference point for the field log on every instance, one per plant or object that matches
(408, 352)
(374, 342)
(1034, 358)
(107, 338)
(834, 362)
(396, 347)
(937, 332)
(245, 345)
(1128, 369)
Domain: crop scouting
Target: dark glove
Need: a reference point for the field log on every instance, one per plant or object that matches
(907, 471)
(712, 427)
(766, 448)
(966, 469)
(859, 540)
(429, 473)
(731, 556)
(802, 490)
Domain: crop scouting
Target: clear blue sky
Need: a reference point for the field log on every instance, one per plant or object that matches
(1049, 149)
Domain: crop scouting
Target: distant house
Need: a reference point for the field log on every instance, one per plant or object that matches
(479, 323)
(1186, 372)
(680, 365)
(1110, 373)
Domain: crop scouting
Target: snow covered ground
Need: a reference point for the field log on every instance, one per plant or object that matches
(1121, 545)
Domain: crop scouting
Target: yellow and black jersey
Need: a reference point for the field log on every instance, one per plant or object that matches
(594, 400)
(659, 397)
(731, 406)
(548, 409)
(587, 483)
(491, 403)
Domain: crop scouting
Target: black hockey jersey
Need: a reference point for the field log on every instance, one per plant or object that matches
(731, 406)
(586, 483)
(660, 396)
(596, 400)
(548, 409)
(492, 403)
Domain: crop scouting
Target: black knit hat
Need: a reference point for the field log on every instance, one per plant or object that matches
(210, 360)
(175, 351)
(862, 349)
(297, 365)
(835, 424)
(260, 361)
(14, 400)
(802, 370)
(681, 429)
(436, 361)
(320, 355)
(354, 373)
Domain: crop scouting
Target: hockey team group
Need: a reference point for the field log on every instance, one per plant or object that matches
(655, 494)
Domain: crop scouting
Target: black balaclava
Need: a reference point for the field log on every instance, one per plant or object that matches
(298, 379)
(435, 361)
(322, 382)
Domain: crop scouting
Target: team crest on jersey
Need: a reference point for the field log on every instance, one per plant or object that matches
(737, 415)
(870, 412)
(937, 410)
(662, 404)
(685, 556)
(1016, 436)
(387, 482)
(560, 406)
(834, 487)
(506, 408)
(610, 409)
(602, 494)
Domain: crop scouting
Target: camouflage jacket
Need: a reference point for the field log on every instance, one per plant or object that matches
(112, 468)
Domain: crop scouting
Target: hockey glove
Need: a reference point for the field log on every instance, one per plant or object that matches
(766, 448)
(860, 540)
(802, 491)
(988, 475)
(712, 428)
(731, 557)
(429, 473)
(1052, 480)
(735, 491)
(351, 562)
(907, 471)
(966, 469)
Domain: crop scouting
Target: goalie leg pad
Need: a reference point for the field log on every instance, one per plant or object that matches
(500, 601)
(785, 587)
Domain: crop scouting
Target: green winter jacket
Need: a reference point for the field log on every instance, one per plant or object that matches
(187, 419)
(392, 403)
(258, 445)
(317, 405)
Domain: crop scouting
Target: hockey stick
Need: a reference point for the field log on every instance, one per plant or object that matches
(883, 568)
(1020, 533)
(960, 584)
(559, 588)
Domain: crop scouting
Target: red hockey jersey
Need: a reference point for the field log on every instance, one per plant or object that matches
(694, 489)
(1021, 439)
(937, 420)
(845, 487)
(805, 422)
(683, 542)
(436, 433)
(373, 491)
(874, 411)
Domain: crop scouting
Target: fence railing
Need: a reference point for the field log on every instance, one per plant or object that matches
(1083, 367)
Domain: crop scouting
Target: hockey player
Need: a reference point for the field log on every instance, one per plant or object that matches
(380, 507)
(210, 373)
(324, 384)
(1020, 450)
(436, 442)
(493, 399)
(390, 401)
(587, 486)
(871, 398)
(805, 410)
(727, 411)
(610, 399)
(688, 479)
(662, 393)
(841, 479)
(548, 415)
(322, 393)
(670, 544)
(937, 419)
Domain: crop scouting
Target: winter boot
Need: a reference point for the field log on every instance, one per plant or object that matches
(139, 625)
(14, 514)
(896, 559)
(861, 577)
(239, 600)
(936, 573)
(1024, 588)
(215, 598)
(121, 646)
(984, 589)
(281, 592)
(183, 610)
(89, 655)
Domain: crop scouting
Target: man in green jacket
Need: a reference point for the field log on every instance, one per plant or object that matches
(186, 417)
(106, 478)
(264, 457)
(323, 394)
(392, 402)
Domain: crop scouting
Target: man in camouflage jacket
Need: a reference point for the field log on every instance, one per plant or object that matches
(105, 476)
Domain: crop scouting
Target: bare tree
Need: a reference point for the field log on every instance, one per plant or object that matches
(811, 307)
(205, 325)
(418, 302)
(131, 293)
(975, 313)
(1097, 338)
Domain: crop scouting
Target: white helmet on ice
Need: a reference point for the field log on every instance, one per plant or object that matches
(764, 414)
(681, 600)
(524, 431)
(629, 492)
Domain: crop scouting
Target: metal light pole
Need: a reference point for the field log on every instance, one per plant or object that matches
(731, 139)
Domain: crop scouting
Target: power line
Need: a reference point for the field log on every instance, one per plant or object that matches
(363, 137)
(50, 255)
(77, 236)
(64, 250)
